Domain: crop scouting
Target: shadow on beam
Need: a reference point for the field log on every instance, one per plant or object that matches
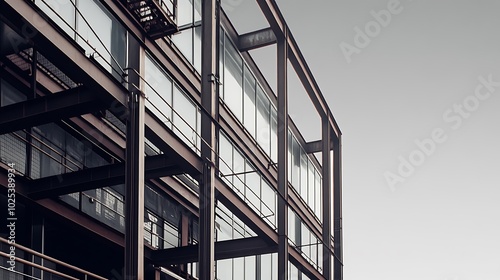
(256, 39)
(98, 177)
(54, 107)
(223, 250)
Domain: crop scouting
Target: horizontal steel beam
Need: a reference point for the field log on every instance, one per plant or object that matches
(229, 249)
(47, 109)
(98, 177)
(316, 146)
(256, 39)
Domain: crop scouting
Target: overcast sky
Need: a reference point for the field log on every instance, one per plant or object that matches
(417, 97)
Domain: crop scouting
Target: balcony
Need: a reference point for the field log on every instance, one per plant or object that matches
(157, 17)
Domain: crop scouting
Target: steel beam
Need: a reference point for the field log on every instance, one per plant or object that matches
(337, 211)
(229, 249)
(134, 189)
(326, 173)
(316, 146)
(209, 103)
(256, 39)
(98, 177)
(282, 61)
(47, 109)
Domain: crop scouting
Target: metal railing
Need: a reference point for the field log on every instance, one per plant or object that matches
(77, 272)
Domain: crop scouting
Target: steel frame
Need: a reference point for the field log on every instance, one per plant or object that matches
(76, 64)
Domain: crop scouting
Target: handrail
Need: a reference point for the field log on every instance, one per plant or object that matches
(56, 261)
(39, 267)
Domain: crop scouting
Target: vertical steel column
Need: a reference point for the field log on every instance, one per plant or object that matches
(326, 173)
(282, 60)
(337, 209)
(208, 135)
(134, 189)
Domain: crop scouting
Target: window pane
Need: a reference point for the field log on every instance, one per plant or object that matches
(225, 269)
(274, 134)
(266, 267)
(269, 201)
(226, 155)
(249, 102)
(238, 167)
(263, 119)
(250, 268)
(295, 164)
(158, 91)
(112, 36)
(239, 268)
(252, 192)
(63, 8)
(197, 49)
(184, 42)
(303, 177)
(184, 12)
(185, 126)
(233, 76)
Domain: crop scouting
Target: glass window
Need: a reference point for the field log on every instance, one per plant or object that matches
(250, 268)
(238, 167)
(62, 12)
(252, 192)
(274, 134)
(233, 77)
(197, 49)
(221, 64)
(239, 268)
(249, 102)
(290, 157)
(225, 269)
(184, 42)
(269, 201)
(319, 186)
(226, 156)
(295, 164)
(303, 176)
(186, 125)
(263, 121)
(158, 91)
(184, 12)
(318, 196)
(304, 242)
(109, 46)
(266, 267)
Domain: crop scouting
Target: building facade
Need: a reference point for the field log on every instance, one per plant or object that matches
(140, 140)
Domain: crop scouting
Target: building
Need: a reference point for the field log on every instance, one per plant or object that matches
(138, 143)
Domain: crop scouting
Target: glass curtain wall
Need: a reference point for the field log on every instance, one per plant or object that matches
(188, 41)
(246, 99)
(304, 240)
(304, 176)
(248, 268)
(168, 102)
(246, 180)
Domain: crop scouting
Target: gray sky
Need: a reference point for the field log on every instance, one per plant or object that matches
(417, 78)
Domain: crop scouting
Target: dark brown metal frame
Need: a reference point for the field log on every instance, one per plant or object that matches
(78, 65)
